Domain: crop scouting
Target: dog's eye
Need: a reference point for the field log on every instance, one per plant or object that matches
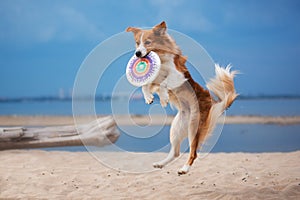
(147, 42)
(138, 43)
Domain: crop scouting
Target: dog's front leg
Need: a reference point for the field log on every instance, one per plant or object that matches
(163, 94)
(148, 96)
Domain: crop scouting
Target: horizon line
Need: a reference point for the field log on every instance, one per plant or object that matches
(103, 97)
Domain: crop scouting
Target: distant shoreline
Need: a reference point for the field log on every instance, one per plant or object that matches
(50, 120)
(135, 97)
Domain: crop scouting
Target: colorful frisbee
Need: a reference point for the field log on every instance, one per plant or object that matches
(141, 71)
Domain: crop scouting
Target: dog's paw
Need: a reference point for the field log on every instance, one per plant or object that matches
(158, 165)
(149, 98)
(184, 170)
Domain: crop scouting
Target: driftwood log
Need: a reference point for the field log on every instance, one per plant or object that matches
(100, 132)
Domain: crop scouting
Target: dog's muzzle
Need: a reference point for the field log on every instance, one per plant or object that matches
(138, 54)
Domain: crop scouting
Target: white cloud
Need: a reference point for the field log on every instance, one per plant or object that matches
(43, 22)
(183, 15)
(263, 14)
(76, 24)
(192, 21)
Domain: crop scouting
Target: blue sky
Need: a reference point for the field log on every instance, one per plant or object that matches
(43, 43)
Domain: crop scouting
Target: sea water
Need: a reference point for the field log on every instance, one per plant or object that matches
(260, 107)
(233, 138)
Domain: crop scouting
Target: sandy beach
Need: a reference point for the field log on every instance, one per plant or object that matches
(35, 174)
(38, 174)
(31, 120)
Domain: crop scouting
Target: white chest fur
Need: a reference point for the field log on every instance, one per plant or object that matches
(168, 74)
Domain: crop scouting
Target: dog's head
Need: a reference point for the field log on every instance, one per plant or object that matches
(155, 39)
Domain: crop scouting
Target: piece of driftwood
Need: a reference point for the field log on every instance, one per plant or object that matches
(100, 132)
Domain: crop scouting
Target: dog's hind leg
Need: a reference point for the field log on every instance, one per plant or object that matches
(178, 132)
(193, 136)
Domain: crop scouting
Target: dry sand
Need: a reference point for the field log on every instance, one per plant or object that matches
(35, 174)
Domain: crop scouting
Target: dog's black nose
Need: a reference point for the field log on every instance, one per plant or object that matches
(138, 54)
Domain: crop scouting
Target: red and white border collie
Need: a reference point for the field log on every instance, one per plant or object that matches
(197, 110)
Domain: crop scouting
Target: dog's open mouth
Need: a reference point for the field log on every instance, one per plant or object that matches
(139, 55)
(146, 55)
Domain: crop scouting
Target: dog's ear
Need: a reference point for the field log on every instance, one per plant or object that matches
(132, 29)
(160, 29)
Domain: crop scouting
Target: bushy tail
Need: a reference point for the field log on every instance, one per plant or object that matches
(223, 87)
